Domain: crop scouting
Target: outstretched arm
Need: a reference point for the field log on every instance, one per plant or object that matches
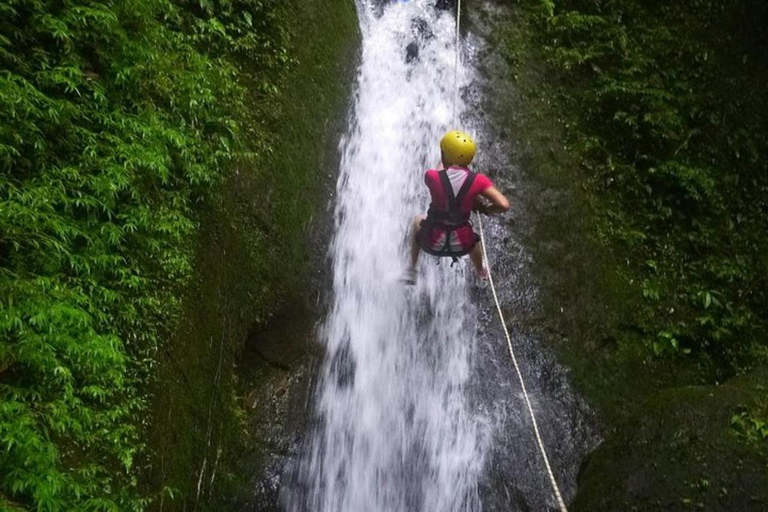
(499, 203)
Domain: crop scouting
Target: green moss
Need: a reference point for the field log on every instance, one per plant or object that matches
(312, 112)
(674, 161)
(679, 453)
(587, 295)
(115, 118)
(592, 293)
(253, 262)
(670, 443)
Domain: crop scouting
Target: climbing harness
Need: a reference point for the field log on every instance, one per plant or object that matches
(448, 220)
(537, 433)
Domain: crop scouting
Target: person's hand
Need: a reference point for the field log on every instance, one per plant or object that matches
(480, 207)
(499, 203)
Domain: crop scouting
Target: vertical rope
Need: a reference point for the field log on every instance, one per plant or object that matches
(456, 60)
(537, 433)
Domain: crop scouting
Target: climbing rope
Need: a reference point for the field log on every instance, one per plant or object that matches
(539, 441)
(543, 451)
(456, 60)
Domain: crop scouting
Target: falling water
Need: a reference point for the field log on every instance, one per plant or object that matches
(418, 408)
(396, 432)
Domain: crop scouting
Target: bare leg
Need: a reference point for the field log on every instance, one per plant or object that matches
(477, 259)
(415, 249)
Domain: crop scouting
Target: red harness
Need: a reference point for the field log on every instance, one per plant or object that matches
(448, 220)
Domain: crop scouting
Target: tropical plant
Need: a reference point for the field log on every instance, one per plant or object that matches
(116, 120)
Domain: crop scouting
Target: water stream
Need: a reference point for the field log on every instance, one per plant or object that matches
(412, 404)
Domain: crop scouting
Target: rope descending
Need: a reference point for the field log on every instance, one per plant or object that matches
(555, 488)
(539, 441)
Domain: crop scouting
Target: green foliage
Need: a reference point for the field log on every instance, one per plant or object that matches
(750, 424)
(668, 127)
(115, 120)
(252, 263)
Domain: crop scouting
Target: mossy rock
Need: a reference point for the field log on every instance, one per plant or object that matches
(231, 381)
(680, 452)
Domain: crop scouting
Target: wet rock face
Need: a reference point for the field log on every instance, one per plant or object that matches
(412, 52)
(679, 452)
(421, 33)
(280, 361)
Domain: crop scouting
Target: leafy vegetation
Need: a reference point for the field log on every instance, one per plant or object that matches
(254, 266)
(631, 176)
(750, 424)
(116, 119)
(671, 135)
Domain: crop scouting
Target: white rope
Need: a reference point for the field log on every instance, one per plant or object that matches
(553, 481)
(456, 59)
(555, 488)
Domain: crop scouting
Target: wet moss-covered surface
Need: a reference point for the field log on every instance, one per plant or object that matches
(679, 452)
(230, 384)
(668, 439)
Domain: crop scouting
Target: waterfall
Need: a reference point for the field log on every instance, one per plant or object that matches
(395, 428)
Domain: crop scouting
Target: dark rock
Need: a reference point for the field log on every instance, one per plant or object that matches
(679, 452)
(411, 52)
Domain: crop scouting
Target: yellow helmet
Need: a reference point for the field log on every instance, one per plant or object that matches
(457, 148)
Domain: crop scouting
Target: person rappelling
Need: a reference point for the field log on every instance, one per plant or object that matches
(456, 191)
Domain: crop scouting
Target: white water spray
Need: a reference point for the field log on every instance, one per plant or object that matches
(396, 431)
